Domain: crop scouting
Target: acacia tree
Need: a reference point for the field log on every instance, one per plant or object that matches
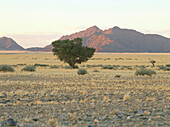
(153, 62)
(72, 51)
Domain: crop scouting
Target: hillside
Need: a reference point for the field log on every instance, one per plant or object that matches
(9, 44)
(119, 40)
(111, 40)
(34, 49)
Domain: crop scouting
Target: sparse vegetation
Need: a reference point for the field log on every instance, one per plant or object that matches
(117, 76)
(21, 64)
(96, 71)
(166, 69)
(107, 67)
(82, 71)
(141, 66)
(6, 68)
(76, 66)
(53, 66)
(167, 65)
(143, 72)
(61, 97)
(41, 65)
(29, 68)
(126, 67)
(162, 67)
(68, 67)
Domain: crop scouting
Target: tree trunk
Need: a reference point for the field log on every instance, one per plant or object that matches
(72, 65)
(153, 64)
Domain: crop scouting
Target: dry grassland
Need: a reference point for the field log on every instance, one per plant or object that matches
(61, 97)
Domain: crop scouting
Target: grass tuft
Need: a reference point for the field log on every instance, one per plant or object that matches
(29, 68)
(6, 68)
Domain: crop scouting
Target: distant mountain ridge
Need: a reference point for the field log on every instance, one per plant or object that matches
(9, 44)
(111, 40)
(119, 40)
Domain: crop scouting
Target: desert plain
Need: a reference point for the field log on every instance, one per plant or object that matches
(104, 97)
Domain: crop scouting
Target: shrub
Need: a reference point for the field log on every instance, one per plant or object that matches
(107, 67)
(68, 67)
(126, 67)
(82, 71)
(116, 65)
(14, 65)
(96, 71)
(130, 68)
(6, 68)
(117, 76)
(145, 72)
(141, 66)
(54, 66)
(122, 68)
(41, 65)
(89, 66)
(76, 66)
(21, 64)
(29, 68)
(161, 67)
(168, 65)
(166, 69)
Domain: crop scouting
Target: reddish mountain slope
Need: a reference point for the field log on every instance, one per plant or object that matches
(119, 40)
(92, 37)
(82, 34)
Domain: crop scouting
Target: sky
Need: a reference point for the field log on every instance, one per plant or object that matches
(39, 22)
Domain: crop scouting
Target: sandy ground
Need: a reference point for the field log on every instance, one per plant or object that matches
(61, 97)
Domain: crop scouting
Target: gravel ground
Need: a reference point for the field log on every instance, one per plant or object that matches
(64, 98)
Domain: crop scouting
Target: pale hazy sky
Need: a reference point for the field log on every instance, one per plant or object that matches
(39, 22)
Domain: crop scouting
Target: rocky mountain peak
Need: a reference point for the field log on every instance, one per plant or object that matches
(9, 44)
(93, 28)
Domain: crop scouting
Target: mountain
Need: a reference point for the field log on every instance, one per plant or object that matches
(9, 44)
(111, 40)
(119, 40)
(34, 49)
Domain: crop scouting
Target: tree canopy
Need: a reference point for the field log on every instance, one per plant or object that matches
(72, 51)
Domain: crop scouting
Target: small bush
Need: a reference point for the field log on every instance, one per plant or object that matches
(145, 72)
(29, 68)
(89, 66)
(82, 71)
(6, 68)
(14, 65)
(96, 71)
(107, 67)
(68, 67)
(130, 68)
(161, 67)
(141, 66)
(114, 67)
(54, 66)
(21, 64)
(117, 76)
(41, 65)
(76, 66)
(126, 67)
(168, 65)
(166, 69)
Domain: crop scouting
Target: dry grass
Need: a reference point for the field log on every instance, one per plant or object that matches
(76, 95)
